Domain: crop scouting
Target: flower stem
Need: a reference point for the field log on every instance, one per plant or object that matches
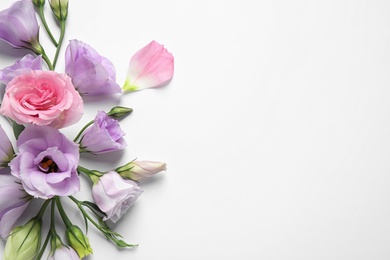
(52, 219)
(38, 218)
(43, 19)
(43, 209)
(102, 228)
(62, 213)
(39, 256)
(47, 60)
(82, 130)
(85, 214)
(60, 40)
(93, 175)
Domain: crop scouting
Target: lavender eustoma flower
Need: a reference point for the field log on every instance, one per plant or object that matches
(91, 73)
(6, 150)
(114, 195)
(14, 203)
(25, 64)
(46, 163)
(19, 26)
(105, 135)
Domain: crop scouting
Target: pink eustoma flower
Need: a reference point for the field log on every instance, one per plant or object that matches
(91, 73)
(42, 98)
(46, 163)
(152, 66)
(13, 203)
(19, 25)
(114, 195)
(105, 135)
(26, 64)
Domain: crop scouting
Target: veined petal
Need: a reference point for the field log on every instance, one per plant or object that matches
(152, 66)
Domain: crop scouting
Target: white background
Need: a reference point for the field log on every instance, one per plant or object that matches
(275, 127)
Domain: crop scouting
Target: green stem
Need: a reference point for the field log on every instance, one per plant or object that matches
(83, 170)
(43, 19)
(78, 203)
(62, 213)
(103, 229)
(43, 209)
(39, 217)
(47, 60)
(39, 256)
(82, 130)
(52, 219)
(93, 175)
(60, 40)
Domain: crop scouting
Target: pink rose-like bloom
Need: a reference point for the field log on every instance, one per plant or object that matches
(46, 163)
(91, 73)
(64, 253)
(152, 66)
(114, 195)
(13, 203)
(26, 64)
(105, 135)
(42, 98)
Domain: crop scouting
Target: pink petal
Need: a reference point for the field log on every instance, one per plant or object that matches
(152, 66)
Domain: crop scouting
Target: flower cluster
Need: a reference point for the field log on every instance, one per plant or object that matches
(44, 165)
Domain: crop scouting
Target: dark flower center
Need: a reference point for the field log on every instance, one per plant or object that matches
(48, 165)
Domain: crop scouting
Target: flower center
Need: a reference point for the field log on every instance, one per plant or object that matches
(48, 165)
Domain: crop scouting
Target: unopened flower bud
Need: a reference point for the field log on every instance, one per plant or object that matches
(138, 170)
(24, 241)
(60, 251)
(119, 112)
(59, 8)
(38, 3)
(78, 241)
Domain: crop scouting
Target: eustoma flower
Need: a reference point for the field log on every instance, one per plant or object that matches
(91, 73)
(42, 98)
(19, 26)
(114, 195)
(152, 66)
(26, 64)
(14, 203)
(105, 135)
(6, 150)
(46, 163)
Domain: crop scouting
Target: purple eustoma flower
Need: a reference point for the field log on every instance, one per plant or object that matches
(46, 163)
(114, 195)
(6, 150)
(91, 73)
(26, 64)
(19, 26)
(14, 203)
(105, 135)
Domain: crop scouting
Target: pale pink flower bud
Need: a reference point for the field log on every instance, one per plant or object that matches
(152, 66)
(138, 170)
